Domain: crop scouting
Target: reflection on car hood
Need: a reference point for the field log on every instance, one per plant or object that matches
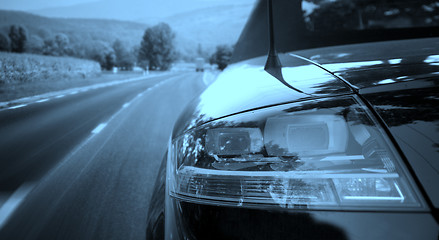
(245, 86)
(371, 64)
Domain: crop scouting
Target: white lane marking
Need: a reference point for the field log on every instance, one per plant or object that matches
(62, 93)
(8, 208)
(126, 105)
(42, 100)
(86, 141)
(18, 106)
(99, 128)
(204, 79)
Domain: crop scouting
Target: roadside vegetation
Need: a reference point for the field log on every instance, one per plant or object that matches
(18, 68)
(111, 43)
(45, 54)
(155, 50)
(221, 57)
(23, 75)
(91, 39)
(108, 55)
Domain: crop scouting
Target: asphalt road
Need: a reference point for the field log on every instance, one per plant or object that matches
(83, 165)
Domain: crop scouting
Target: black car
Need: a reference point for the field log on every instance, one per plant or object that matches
(335, 137)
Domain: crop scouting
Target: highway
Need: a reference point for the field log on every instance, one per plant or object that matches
(82, 165)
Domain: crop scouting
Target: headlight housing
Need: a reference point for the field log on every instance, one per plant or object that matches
(319, 154)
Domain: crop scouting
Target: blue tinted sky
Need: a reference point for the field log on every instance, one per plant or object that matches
(38, 4)
(42, 4)
(115, 9)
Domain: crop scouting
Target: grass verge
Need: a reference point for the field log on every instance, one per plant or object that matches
(25, 89)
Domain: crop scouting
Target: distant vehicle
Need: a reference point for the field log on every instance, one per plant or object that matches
(199, 65)
(334, 137)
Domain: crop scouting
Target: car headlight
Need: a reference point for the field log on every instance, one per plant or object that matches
(324, 154)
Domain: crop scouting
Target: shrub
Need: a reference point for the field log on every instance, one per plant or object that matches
(222, 56)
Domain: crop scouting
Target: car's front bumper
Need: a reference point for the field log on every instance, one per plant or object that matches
(185, 220)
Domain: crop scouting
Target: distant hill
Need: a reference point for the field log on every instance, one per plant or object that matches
(76, 29)
(132, 9)
(209, 27)
(205, 22)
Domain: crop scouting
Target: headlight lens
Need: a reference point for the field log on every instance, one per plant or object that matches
(325, 154)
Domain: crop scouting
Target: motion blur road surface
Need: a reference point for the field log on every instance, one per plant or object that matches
(82, 166)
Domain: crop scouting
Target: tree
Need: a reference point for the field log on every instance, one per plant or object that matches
(222, 56)
(124, 58)
(5, 43)
(110, 60)
(18, 37)
(157, 47)
(59, 45)
(35, 44)
(44, 33)
(49, 47)
(63, 44)
(101, 52)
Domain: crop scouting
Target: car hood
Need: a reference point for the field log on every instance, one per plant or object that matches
(246, 86)
(371, 64)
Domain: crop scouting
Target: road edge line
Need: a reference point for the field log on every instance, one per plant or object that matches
(32, 99)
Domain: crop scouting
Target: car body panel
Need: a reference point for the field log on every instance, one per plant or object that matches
(264, 91)
(249, 85)
(155, 221)
(412, 117)
(198, 221)
(370, 64)
(345, 224)
(398, 79)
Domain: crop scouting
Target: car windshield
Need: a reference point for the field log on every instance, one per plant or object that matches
(339, 15)
(305, 24)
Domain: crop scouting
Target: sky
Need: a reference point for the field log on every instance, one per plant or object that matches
(26, 5)
(133, 10)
